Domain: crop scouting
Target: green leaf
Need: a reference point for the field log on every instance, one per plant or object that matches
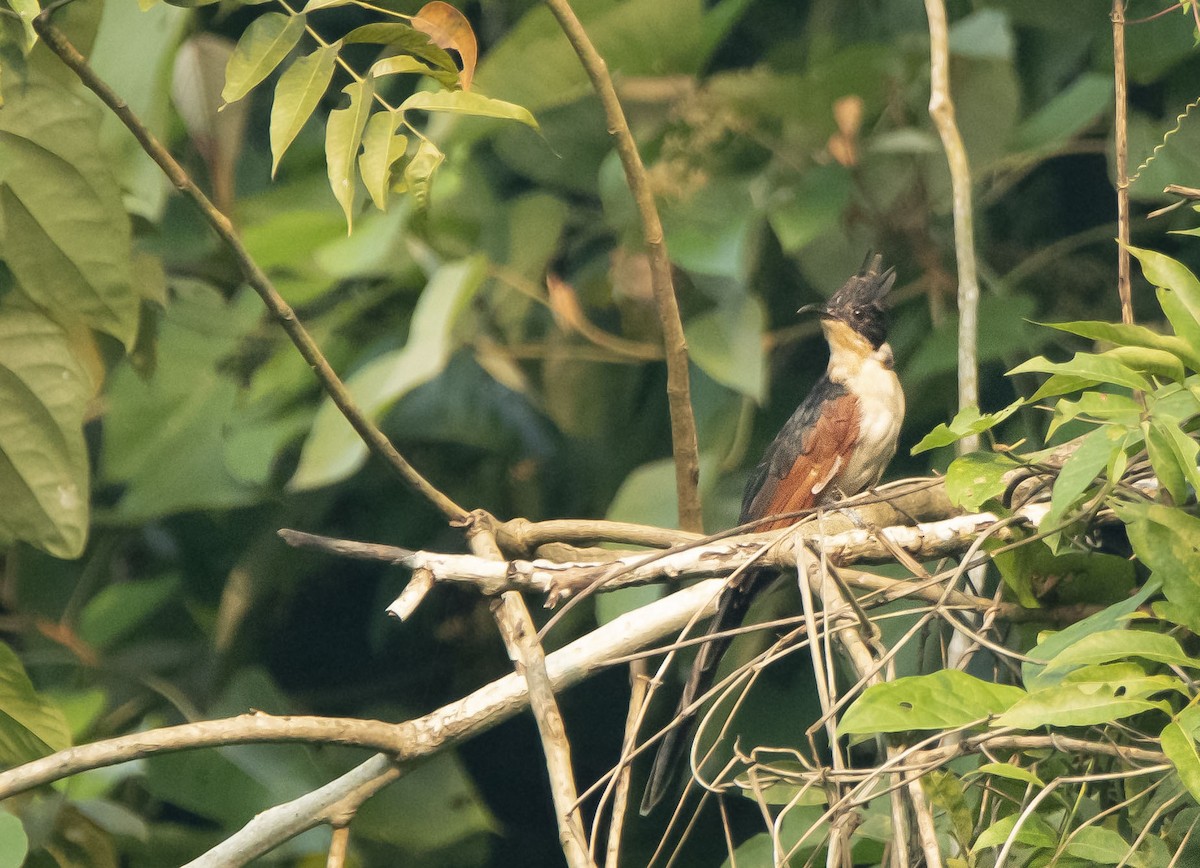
(30, 725)
(314, 5)
(1099, 846)
(802, 211)
(1051, 644)
(1123, 334)
(942, 700)
(1172, 275)
(1101, 406)
(1068, 113)
(1081, 469)
(1163, 458)
(14, 844)
(465, 102)
(1034, 832)
(1158, 363)
(1062, 384)
(973, 479)
(1186, 451)
(403, 38)
(165, 438)
(1180, 749)
(381, 149)
(418, 173)
(1075, 705)
(343, 137)
(1097, 368)
(63, 229)
(44, 392)
(727, 343)
(1032, 570)
(297, 94)
(333, 450)
(119, 609)
(1111, 645)
(966, 422)
(263, 46)
(1167, 540)
(1007, 771)
(1181, 319)
(403, 63)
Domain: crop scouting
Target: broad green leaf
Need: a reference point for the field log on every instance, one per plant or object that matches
(381, 149)
(1032, 570)
(14, 844)
(1167, 540)
(1165, 461)
(1070, 112)
(727, 343)
(343, 137)
(1034, 832)
(978, 477)
(30, 725)
(1101, 406)
(297, 94)
(120, 608)
(401, 63)
(1182, 321)
(942, 700)
(464, 102)
(1098, 368)
(1099, 846)
(1080, 471)
(418, 173)
(63, 230)
(1180, 749)
(333, 450)
(1171, 274)
(1186, 451)
(804, 210)
(966, 422)
(166, 438)
(1062, 384)
(1123, 334)
(1070, 704)
(44, 392)
(1009, 772)
(263, 46)
(1111, 645)
(314, 5)
(26, 11)
(1144, 360)
(403, 38)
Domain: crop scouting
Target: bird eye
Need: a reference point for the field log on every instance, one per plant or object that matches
(857, 313)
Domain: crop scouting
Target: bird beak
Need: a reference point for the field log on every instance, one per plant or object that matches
(819, 309)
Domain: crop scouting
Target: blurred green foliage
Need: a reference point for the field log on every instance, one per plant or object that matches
(181, 430)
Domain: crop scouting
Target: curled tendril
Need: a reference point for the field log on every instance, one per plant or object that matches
(1179, 119)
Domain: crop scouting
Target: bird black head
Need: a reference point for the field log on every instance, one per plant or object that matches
(859, 303)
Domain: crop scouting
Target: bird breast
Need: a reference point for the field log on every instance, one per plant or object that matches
(881, 410)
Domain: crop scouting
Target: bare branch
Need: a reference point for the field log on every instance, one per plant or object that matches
(941, 109)
(1121, 146)
(683, 423)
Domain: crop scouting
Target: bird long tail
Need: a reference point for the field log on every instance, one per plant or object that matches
(674, 746)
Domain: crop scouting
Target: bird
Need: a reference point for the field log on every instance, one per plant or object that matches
(836, 444)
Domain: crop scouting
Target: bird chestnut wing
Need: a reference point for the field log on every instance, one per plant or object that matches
(805, 458)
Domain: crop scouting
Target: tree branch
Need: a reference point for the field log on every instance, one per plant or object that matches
(941, 109)
(1121, 147)
(375, 439)
(683, 422)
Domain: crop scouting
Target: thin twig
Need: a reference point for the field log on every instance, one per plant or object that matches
(941, 109)
(683, 422)
(1121, 124)
(375, 439)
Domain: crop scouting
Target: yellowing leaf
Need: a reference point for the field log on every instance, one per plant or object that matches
(262, 47)
(343, 136)
(399, 63)
(299, 90)
(418, 174)
(449, 28)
